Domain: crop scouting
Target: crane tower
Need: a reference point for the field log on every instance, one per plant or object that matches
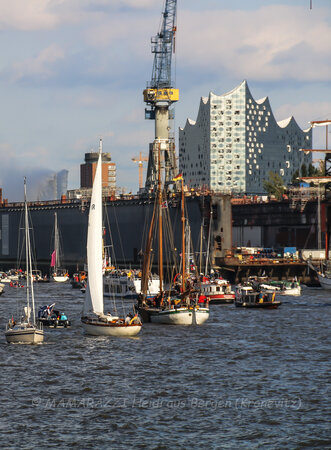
(159, 96)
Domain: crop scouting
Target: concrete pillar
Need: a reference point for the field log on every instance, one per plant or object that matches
(161, 122)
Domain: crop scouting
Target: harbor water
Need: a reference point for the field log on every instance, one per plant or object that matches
(245, 379)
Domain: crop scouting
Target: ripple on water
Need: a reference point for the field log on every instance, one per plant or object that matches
(246, 379)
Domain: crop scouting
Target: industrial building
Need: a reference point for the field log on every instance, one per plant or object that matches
(236, 141)
(87, 173)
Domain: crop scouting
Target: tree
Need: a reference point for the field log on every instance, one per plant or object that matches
(274, 185)
(295, 178)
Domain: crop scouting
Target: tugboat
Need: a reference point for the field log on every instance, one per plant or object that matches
(52, 318)
(248, 297)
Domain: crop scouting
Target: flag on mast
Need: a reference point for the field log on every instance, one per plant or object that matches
(178, 177)
(53, 259)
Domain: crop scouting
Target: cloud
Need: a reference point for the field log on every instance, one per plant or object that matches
(27, 15)
(39, 67)
(272, 43)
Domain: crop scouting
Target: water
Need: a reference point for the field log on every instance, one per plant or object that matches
(245, 379)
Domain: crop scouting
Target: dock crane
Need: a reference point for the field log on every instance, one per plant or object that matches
(159, 95)
(140, 161)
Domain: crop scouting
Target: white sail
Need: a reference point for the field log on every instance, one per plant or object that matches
(94, 288)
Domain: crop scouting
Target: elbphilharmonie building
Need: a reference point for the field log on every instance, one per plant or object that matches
(236, 141)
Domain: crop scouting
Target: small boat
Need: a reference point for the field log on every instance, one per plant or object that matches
(59, 274)
(95, 322)
(38, 277)
(217, 291)
(248, 297)
(126, 284)
(25, 330)
(78, 280)
(49, 317)
(282, 287)
(4, 278)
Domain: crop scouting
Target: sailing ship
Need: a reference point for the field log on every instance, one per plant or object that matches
(95, 322)
(59, 274)
(26, 331)
(169, 306)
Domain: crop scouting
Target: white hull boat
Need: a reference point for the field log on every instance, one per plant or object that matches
(94, 321)
(60, 278)
(111, 327)
(324, 281)
(127, 286)
(180, 316)
(24, 333)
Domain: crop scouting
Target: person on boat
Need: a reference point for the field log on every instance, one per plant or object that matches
(139, 300)
(157, 300)
(128, 318)
(63, 317)
(202, 300)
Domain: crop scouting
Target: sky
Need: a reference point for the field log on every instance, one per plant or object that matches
(73, 71)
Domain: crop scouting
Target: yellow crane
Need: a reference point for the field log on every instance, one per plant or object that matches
(140, 161)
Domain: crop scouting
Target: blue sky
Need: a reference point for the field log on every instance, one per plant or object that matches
(72, 71)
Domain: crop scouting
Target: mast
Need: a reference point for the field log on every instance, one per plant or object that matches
(56, 244)
(208, 242)
(159, 189)
(27, 245)
(183, 238)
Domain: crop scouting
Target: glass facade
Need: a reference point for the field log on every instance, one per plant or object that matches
(236, 142)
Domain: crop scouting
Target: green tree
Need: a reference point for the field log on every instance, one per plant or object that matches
(304, 171)
(274, 185)
(295, 178)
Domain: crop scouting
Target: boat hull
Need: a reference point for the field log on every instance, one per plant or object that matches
(295, 292)
(54, 323)
(24, 336)
(60, 279)
(221, 299)
(324, 281)
(96, 328)
(179, 316)
(264, 305)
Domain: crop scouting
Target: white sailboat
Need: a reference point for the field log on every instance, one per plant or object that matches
(60, 275)
(94, 320)
(25, 331)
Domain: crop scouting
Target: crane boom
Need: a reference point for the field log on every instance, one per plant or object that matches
(162, 47)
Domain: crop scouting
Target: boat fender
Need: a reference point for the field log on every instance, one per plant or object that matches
(55, 324)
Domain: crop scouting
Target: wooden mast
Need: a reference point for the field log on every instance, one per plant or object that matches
(159, 196)
(183, 239)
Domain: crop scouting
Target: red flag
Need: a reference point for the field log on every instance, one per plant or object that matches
(53, 259)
